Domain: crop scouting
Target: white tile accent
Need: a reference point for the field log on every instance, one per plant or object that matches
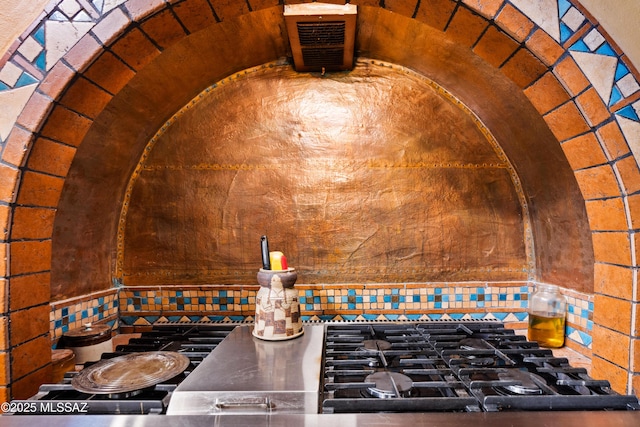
(511, 318)
(61, 36)
(599, 69)
(30, 48)
(12, 101)
(69, 7)
(58, 16)
(82, 17)
(543, 12)
(594, 39)
(10, 74)
(111, 4)
(631, 131)
(628, 85)
(575, 336)
(98, 4)
(573, 18)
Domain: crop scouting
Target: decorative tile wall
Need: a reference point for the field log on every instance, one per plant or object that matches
(141, 307)
(101, 307)
(579, 318)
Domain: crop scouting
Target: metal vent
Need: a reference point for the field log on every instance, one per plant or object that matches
(321, 35)
(323, 57)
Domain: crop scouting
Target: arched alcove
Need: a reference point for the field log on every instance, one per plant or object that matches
(82, 133)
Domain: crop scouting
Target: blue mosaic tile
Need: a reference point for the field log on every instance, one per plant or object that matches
(128, 320)
(521, 316)
(501, 316)
(565, 32)
(621, 71)
(586, 338)
(606, 49)
(628, 112)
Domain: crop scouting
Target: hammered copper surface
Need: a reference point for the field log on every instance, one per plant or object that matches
(86, 235)
(370, 175)
(130, 372)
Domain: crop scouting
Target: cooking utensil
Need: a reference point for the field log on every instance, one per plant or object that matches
(130, 372)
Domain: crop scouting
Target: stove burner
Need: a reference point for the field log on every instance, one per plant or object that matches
(527, 382)
(376, 345)
(474, 344)
(389, 385)
(472, 360)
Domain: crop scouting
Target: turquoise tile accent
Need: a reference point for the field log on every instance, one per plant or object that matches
(628, 112)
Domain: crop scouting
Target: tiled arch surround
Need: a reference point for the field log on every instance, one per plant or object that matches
(572, 73)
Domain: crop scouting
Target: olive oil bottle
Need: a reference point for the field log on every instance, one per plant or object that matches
(547, 309)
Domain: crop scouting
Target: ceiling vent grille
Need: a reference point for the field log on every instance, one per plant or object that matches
(321, 35)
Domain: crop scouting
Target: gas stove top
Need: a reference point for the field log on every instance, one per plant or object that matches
(193, 341)
(452, 367)
(344, 368)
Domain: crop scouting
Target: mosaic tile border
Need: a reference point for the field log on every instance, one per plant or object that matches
(101, 307)
(412, 297)
(373, 302)
(145, 306)
(229, 300)
(579, 318)
(349, 299)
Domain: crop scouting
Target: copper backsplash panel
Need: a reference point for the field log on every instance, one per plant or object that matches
(374, 175)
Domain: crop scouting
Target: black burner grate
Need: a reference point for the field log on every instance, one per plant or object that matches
(453, 367)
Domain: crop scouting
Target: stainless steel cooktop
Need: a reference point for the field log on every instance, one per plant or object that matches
(251, 376)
